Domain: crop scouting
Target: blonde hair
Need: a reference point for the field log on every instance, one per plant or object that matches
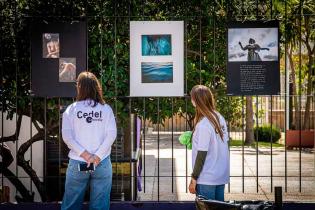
(205, 107)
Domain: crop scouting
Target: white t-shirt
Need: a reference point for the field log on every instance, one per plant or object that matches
(216, 169)
(88, 128)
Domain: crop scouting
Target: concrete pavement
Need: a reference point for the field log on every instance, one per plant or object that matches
(251, 187)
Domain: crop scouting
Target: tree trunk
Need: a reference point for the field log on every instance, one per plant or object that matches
(249, 139)
(310, 52)
(7, 159)
(296, 121)
(26, 164)
(308, 93)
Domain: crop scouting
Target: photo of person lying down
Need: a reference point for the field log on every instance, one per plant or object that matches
(67, 70)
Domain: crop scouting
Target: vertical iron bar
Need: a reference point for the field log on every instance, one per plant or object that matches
(176, 124)
(2, 143)
(214, 65)
(286, 94)
(116, 107)
(2, 102)
(243, 141)
(214, 37)
(229, 144)
(186, 66)
(180, 124)
(164, 126)
(158, 160)
(243, 131)
(31, 109)
(59, 148)
(300, 95)
(101, 43)
(271, 142)
(133, 138)
(257, 145)
(172, 147)
(44, 147)
(16, 90)
(87, 42)
(200, 42)
(144, 132)
(257, 185)
(186, 93)
(186, 152)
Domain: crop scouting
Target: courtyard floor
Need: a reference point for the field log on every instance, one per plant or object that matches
(157, 172)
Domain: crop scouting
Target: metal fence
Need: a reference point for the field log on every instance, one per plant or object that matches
(34, 157)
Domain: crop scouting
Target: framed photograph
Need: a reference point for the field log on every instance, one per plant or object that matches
(67, 70)
(58, 56)
(156, 44)
(157, 72)
(156, 58)
(253, 66)
(51, 46)
(253, 44)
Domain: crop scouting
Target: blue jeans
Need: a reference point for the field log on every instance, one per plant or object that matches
(213, 192)
(100, 182)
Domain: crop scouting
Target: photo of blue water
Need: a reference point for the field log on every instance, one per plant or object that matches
(157, 72)
(156, 45)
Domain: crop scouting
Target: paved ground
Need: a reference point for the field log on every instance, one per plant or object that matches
(247, 188)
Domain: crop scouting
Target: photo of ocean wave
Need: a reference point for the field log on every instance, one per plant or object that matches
(156, 45)
(157, 72)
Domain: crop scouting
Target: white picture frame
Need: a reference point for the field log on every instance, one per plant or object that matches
(156, 72)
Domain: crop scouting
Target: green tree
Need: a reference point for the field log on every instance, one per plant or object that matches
(108, 41)
(299, 33)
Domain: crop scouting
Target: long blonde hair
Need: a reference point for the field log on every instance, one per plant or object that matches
(205, 107)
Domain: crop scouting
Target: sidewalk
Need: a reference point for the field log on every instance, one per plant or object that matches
(151, 170)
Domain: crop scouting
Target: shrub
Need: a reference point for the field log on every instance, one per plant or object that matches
(265, 133)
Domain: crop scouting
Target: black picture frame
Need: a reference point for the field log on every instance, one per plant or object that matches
(45, 71)
(253, 77)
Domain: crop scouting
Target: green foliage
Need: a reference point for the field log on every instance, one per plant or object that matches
(266, 133)
(108, 42)
(240, 143)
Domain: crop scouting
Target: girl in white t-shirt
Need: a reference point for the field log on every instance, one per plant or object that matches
(210, 153)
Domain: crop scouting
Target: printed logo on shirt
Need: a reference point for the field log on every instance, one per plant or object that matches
(91, 116)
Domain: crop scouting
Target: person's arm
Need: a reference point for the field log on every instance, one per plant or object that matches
(52, 48)
(257, 47)
(200, 160)
(110, 135)
(68, 67)
(243, 48)
(204, 135)
(264, 48)
(68, 135)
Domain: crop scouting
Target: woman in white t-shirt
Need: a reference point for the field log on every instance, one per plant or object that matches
(89, 130)
(210, 152)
